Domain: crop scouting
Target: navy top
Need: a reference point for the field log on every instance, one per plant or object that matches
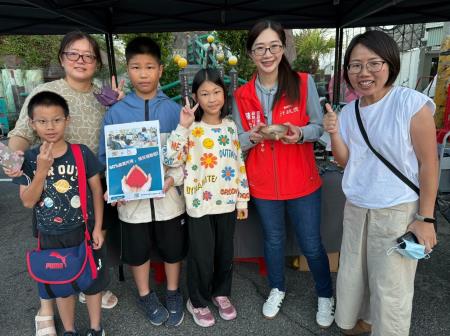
(58, 210)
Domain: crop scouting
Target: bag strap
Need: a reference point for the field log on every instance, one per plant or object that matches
(397, 172)
(79, 162)
(82, 185)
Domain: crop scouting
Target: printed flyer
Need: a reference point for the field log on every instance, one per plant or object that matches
(134, 161)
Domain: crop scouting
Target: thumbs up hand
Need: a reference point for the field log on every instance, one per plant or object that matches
(330, 120)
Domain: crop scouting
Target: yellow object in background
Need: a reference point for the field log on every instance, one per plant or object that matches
(299, 263)
(182, 63)
(232, 60)
(176, 58)
(443, 80)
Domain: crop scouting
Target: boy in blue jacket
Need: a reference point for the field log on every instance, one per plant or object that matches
(151, 221)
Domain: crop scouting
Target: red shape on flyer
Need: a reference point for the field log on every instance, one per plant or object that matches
(136, 177)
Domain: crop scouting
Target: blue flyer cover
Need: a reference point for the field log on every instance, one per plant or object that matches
(134, 161)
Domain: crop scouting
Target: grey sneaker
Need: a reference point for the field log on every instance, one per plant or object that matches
(155, 311)
(174, 304)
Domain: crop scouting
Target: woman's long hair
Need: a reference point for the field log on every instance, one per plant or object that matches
(288, 79)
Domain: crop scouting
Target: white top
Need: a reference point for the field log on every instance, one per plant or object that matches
(367, 182)
(215, 180)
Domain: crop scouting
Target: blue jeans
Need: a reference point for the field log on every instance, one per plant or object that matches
(304, 214)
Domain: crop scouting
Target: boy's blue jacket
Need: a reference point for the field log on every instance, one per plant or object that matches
(132, 108)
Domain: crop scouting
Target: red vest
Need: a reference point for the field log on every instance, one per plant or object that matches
(278, 171)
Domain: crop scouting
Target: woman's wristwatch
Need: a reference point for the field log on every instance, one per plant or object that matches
(421, 218)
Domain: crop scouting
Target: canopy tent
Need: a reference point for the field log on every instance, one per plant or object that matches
(120, 16)
(133, 16)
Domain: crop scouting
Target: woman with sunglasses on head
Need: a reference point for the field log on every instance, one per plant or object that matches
(375, 290)
(282, 173)
(79, 55)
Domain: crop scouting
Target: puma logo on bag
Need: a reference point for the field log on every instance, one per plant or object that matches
(57, 265)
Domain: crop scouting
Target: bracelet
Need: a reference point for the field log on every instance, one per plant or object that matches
(424, 219)
(300, 137)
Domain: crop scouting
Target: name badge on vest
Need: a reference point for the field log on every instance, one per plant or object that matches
(289, 109)
(253, 118)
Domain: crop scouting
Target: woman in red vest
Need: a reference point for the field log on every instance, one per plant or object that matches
(282, 173)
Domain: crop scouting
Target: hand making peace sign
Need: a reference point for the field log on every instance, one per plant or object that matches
(187, 114)
(118, 88)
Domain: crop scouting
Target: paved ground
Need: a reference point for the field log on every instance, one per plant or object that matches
(19, 302)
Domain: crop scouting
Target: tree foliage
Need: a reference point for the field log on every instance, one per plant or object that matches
(236, 40)
(310, 45)
(35, 51)
(165, 42)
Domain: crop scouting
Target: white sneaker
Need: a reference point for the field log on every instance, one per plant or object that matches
(325, 312)
(273, 303)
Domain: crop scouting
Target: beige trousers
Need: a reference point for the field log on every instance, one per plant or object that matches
(372, 285)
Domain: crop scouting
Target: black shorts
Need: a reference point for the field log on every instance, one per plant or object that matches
(169, 238)
(74, 238)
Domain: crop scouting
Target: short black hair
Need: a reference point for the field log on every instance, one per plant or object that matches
(142, 45)
(210, 75)
(381, 44)
(74, 36)
(47, 98)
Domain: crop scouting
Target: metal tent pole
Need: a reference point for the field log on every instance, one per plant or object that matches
(111, 56)
(337, 66)
(112, 71)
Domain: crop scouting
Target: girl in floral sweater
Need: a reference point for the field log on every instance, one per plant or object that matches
(216, 192)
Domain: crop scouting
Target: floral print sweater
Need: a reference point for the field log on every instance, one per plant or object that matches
(215, 179)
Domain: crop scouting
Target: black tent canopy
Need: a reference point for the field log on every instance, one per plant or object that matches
(135, 16)
(118, 16)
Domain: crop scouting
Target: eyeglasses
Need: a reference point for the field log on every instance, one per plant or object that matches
(274, 49)
(45, 123)
(373, 66)
(74, 56)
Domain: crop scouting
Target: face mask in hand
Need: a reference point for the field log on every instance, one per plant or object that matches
(409, 247)
(106, 96)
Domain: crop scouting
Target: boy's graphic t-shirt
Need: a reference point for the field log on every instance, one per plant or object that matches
(59, 208)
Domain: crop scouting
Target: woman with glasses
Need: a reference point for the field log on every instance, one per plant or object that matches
(375, 288)
(79, 55)
(282, 173)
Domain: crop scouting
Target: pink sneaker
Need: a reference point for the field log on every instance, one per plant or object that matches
(202, 316)
(226, 308)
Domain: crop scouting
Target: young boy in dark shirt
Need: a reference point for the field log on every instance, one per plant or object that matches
(49, 185)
